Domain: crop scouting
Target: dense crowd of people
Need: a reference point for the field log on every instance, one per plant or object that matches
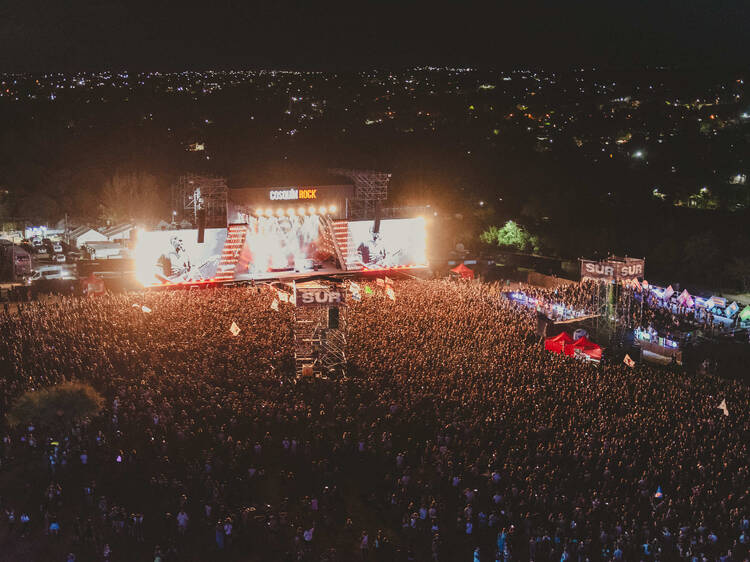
(636, 309)
(454, 436)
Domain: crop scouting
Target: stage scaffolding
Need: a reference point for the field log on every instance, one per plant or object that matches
(370, 188)
(319, 346)
(193, 192)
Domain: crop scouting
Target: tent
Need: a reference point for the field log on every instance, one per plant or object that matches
(745, 314)
(587, 347)
(559, 343)
(463, 271)
(93, 285)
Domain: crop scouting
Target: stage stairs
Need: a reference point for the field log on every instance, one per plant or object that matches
(338, 233)
(230, 255)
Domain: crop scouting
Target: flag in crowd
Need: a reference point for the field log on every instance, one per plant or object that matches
(668, 292)
(388, 280)
(659, 494)
(723, 407)
(357, 296)
(136, 305)
(380, 281)
(368, 290)
(275, 305)
(390, 293)
(732, 309)
(354, 287)
(283, 297)
(685, 299)
(628, 361)
(144, 308)
(234, 328)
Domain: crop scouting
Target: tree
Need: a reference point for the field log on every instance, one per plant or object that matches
(510, 235)
(738, 270)
(131, 197)
(56, 406)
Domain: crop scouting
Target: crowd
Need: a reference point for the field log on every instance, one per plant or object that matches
(635, 309)
(453, 437)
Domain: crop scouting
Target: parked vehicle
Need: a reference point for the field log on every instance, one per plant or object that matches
(51, 272)
(59, 258)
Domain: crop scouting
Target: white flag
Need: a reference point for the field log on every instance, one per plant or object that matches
(234, 328)
(391, 294)
(628, 361)
(283, 297)
(388, 281)
(354, 287)
(275, 305)
(136, 305)
(723, 407)
(380, 281)
(144, 308)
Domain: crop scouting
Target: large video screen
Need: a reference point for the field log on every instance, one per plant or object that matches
(399, 243)
(174, 256)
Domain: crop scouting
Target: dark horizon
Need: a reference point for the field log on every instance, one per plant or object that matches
(91, 36)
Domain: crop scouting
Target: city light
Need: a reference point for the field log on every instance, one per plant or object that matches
(638, 154)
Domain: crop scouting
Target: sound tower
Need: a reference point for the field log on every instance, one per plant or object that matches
(201, 225)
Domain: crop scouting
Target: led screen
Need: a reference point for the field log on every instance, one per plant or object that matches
(280, 243)
(174, 256)
(399, 243)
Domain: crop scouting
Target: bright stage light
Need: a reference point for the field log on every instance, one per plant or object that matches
(279, 212)
(269, 212)
(290, 212)
(301, 211)
(311, 210)
(322, 210)
(259, 212)
(332, 209)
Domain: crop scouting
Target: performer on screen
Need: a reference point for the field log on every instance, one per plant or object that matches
(375, 252)
(176, 266)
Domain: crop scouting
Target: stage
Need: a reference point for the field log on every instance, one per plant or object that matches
(329, 273)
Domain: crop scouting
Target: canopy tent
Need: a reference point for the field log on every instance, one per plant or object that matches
(559, 343)
(463, 271)
(587, 347)
(93, 285)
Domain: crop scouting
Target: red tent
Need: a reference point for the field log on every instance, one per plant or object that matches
(559, 343)
(93, 285)
(587, 347)
(463, 271)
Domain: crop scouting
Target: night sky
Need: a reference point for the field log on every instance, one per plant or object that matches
(42, 35)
